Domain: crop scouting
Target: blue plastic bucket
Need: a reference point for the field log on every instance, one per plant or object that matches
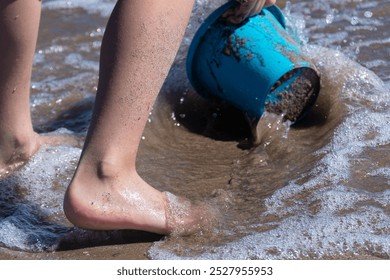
(256, 66)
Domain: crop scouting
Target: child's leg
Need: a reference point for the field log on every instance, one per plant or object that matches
(139, 46)
(19, 22)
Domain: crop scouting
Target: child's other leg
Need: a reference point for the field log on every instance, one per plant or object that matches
(19, 22)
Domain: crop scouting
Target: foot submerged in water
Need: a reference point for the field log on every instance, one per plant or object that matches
(118, 199)
(184, 217)
(16, 152)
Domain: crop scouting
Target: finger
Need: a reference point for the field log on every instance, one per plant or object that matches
(245, 9)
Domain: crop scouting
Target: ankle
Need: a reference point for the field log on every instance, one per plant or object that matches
(18, 147)
(106, 170)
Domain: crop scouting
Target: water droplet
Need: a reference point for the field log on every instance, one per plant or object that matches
(357, 51)
(329, 18)
(354, 20)
(368, 14)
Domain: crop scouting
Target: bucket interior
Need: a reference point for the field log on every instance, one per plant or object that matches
(294, 93)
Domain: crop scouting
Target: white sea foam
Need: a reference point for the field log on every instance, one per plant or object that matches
(320, 235)
(32, 217)
(12, 235)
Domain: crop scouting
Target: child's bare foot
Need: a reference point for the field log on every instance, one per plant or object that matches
(16, 151)
(110, 200)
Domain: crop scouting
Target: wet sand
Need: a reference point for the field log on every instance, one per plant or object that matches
(134, 251)
(114, 252)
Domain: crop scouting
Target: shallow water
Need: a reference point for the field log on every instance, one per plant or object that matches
(319, 189)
